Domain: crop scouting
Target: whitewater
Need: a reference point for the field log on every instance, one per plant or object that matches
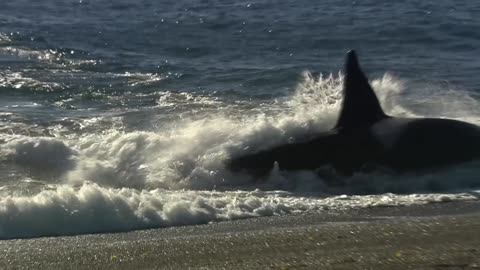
(119, 180)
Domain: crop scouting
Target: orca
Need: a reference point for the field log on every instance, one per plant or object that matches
(365, 137)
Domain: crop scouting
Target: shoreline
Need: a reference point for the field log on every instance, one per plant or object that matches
(432, 236)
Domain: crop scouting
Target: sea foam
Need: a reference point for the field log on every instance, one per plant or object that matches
(91, 208)
(119, 180)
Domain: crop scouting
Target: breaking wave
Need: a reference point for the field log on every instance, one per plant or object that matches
(118, 179)
(90, 208)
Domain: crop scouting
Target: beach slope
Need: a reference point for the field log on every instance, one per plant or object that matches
(434, 236)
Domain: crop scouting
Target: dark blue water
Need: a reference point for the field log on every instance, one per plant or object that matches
(118, 115)
(246, 48)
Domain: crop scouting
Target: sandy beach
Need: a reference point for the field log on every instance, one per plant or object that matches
(434, 236)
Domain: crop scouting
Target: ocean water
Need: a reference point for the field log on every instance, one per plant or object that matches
(119, 115)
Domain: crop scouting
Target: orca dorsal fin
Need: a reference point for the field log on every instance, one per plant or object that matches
(360, 104)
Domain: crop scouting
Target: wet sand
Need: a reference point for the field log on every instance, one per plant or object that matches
(434, 236)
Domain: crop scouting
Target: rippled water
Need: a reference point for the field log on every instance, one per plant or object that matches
(118, 115)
